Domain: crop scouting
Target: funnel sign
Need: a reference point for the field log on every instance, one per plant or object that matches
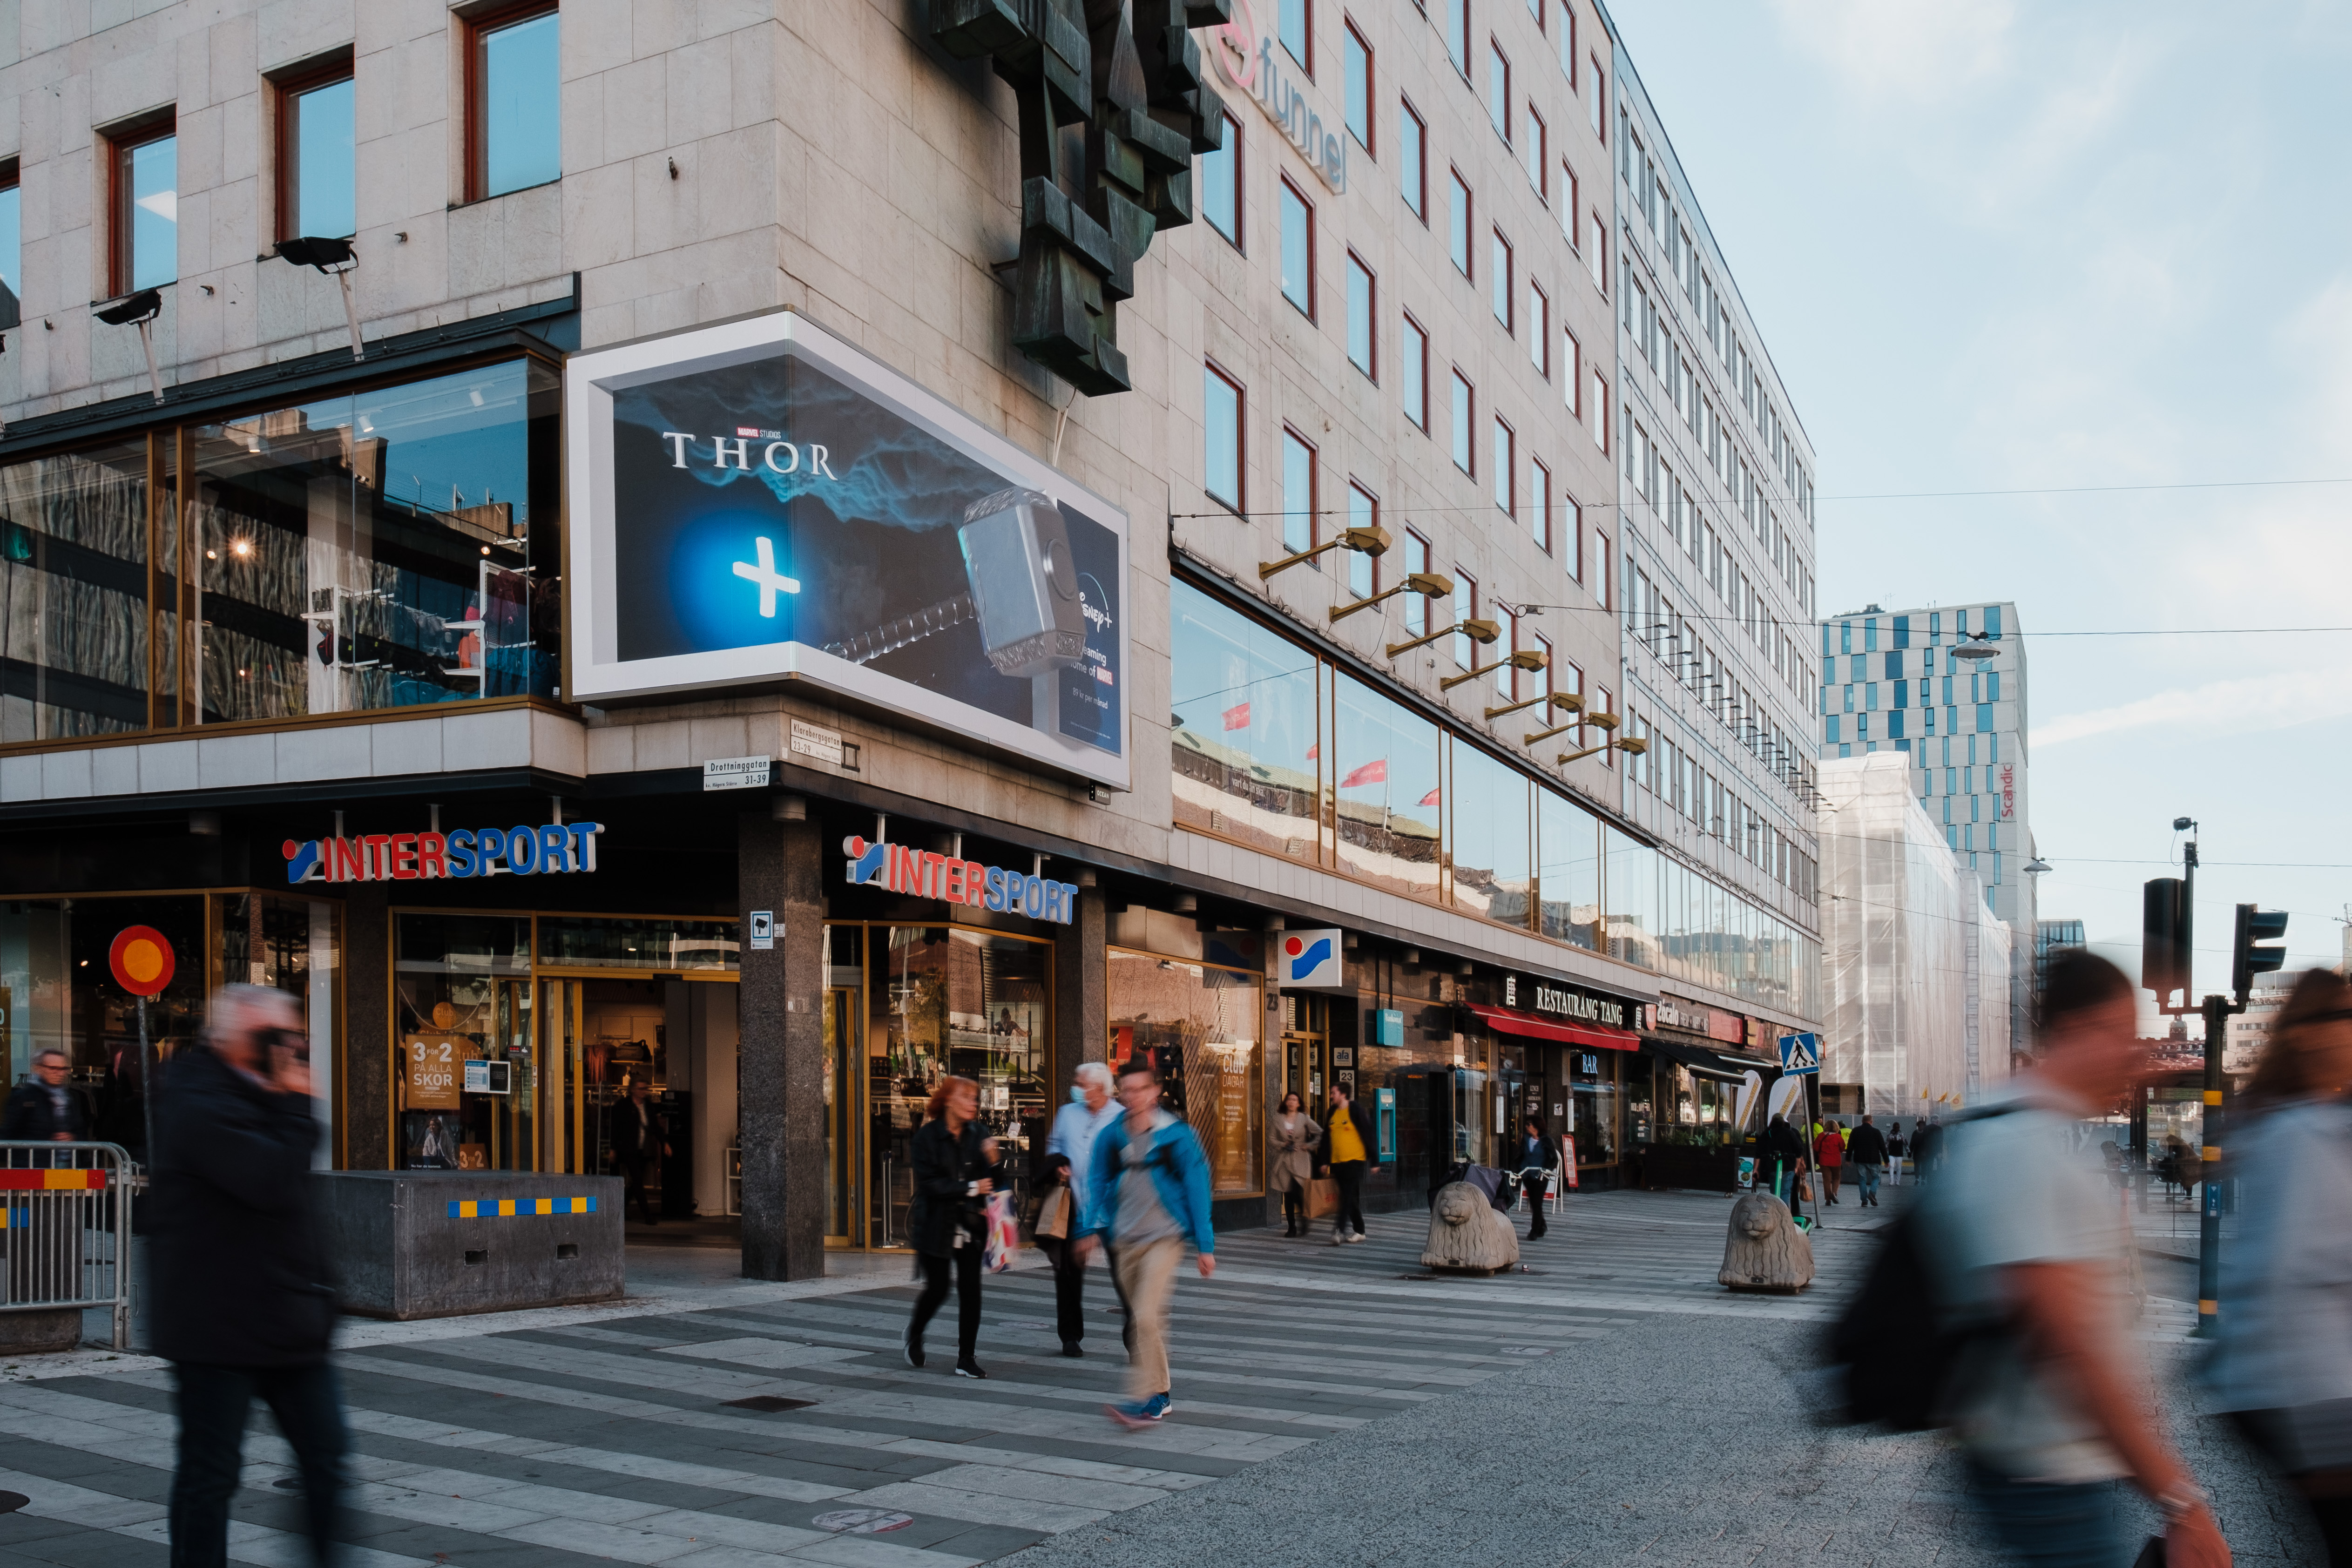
(142, 961)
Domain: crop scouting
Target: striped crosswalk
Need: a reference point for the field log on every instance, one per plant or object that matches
(622, 1435)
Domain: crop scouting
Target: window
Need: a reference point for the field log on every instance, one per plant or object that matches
(1416, 563)
(1607, 754)
(1498, 281)
(1221, 424)
(1498, 89)
(1571, 371)
(1298, 528)
(1567, 205)
(1465, 610)
(1567, 42)
(1600, 570)
(1596, 251)
(1363, 571)
(1298, 250)
(1362, 299)
(1572, 529)
(146, 174)
(1506, 469)
(1458, 219)
(1540, 504)
(1415, 352)
(1463, 457)
(12, 246)
(1220, 184)
(1539, 160)
(1413, 159)
(1539, 329)
(513, 124)
(1599, 412)
(1457, 34)
(1599, 82)
(1507, 643)
(1296, 34)
(316, 155)
(1356, 67)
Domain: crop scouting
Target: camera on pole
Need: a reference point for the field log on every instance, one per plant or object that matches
(2252, 956)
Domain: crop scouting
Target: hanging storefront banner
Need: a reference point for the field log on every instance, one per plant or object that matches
(758, 502)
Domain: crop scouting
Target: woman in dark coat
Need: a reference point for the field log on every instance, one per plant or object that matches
(956, 1169)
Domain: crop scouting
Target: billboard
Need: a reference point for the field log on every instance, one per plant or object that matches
(758, 502)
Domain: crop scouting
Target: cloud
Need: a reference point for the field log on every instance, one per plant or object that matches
(1902, 49)
(2239, 707)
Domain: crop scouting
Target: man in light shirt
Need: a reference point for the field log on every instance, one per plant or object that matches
(1076, 1126)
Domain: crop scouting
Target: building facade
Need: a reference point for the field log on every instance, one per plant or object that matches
(2054, 936)
(898, 580)
(1915, 968)
(1901, 683)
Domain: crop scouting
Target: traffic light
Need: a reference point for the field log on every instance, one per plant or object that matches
(2164, 934)
(2249, 959)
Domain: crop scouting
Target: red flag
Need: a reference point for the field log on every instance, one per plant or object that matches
(1315, 752)
(1237, 718)
(1430, 799)
(1369, 773)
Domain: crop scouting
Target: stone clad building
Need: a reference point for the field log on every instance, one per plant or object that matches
(851, 503)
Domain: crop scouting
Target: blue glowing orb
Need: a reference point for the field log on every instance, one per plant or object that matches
(732, 580)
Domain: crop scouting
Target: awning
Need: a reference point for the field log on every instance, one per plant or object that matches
(1535, 1026)
(1726, 1067)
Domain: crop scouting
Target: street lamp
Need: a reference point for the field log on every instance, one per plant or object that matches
(1977, 647)
(333, 258)
(1528, 659)
(2036, 866)
(140, 311)
(1372, 541)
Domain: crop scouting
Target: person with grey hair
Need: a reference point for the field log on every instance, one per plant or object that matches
(243, 1305)
(1091, 1108)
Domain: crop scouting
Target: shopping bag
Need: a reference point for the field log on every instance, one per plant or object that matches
(1053, 1215)
(1805, 1189)
(1322, 1197)
(1003, 1239)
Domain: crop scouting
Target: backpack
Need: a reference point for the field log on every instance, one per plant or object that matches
(1894, 1349)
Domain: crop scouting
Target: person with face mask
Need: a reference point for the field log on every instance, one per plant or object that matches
(1091, 1108)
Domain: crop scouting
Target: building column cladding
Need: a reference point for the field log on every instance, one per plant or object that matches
(1081, 1000)
(783, 1050)
(366, 1067)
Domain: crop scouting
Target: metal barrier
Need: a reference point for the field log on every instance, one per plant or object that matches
(64, 1228)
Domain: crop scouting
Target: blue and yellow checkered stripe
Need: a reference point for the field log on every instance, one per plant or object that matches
(499, 1208)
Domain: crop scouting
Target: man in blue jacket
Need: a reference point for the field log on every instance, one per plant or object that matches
(1148, 1192)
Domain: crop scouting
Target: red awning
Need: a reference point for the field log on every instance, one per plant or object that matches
(1511, 1021)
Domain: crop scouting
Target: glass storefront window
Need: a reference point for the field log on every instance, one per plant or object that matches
(1489, 847)
(1202, 1027)
(376, 549)
(73, 594)
(1595, 1104)
(1388, 801)
(579, 942)
(1569, 872)
(462, 991)
(1632, 892)
(946, 1000)
(1243, 744)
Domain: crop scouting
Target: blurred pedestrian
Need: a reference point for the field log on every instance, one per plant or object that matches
(640, 1137)
(955, 1169)
(1539, 1160)
(1075, 1125)
(1784, 1147)
(2050, 1407)
(1828, 1153)
(1345, 1151)
(1147, 1194)
(1894, 1151)
(1056, 1230)
(2283, 1363)
(243, 1304)
(1296, 1134)
(45, 1108)
(1865, 1151)
(1926, 1139)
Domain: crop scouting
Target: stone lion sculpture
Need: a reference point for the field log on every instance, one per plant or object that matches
(1467, 1234)
(1765, 1251)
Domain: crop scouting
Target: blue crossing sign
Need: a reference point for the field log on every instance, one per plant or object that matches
(1800, 1055)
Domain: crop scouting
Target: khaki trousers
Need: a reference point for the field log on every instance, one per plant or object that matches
(1147, 1277)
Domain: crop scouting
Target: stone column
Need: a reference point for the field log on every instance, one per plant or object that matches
(779, 1009)
(1081, 1005)
(365, 1071)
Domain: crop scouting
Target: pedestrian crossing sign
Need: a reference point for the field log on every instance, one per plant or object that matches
(1801, 1054)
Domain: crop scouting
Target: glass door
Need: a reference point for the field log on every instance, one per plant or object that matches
(840, 1122)
(561, 1105)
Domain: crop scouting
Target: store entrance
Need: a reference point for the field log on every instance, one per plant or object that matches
(1307, 1052)
(607, 1035)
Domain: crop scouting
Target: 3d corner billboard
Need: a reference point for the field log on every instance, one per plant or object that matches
(758, 502)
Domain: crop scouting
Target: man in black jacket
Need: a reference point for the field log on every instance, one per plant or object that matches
(638, 1140)
(45, 1108)
(1865, 1151)
(1784, 1147)
(243, 1307)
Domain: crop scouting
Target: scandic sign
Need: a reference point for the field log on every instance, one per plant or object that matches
(898, 869)
(523, 851)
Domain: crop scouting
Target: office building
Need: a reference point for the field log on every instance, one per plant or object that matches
(1915, 965)
(703, 555)
(2048, 937)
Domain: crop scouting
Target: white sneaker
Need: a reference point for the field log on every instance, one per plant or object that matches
(1356, 1237)
(1338, 1239)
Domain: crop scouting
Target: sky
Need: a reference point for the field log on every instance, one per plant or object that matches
(1996, 247)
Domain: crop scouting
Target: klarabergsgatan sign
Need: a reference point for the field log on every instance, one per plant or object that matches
(758, 504)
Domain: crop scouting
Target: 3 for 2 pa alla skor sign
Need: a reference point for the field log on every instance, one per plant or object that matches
(523, 851)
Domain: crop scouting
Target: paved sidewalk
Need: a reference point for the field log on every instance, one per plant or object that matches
(1612, 1404)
